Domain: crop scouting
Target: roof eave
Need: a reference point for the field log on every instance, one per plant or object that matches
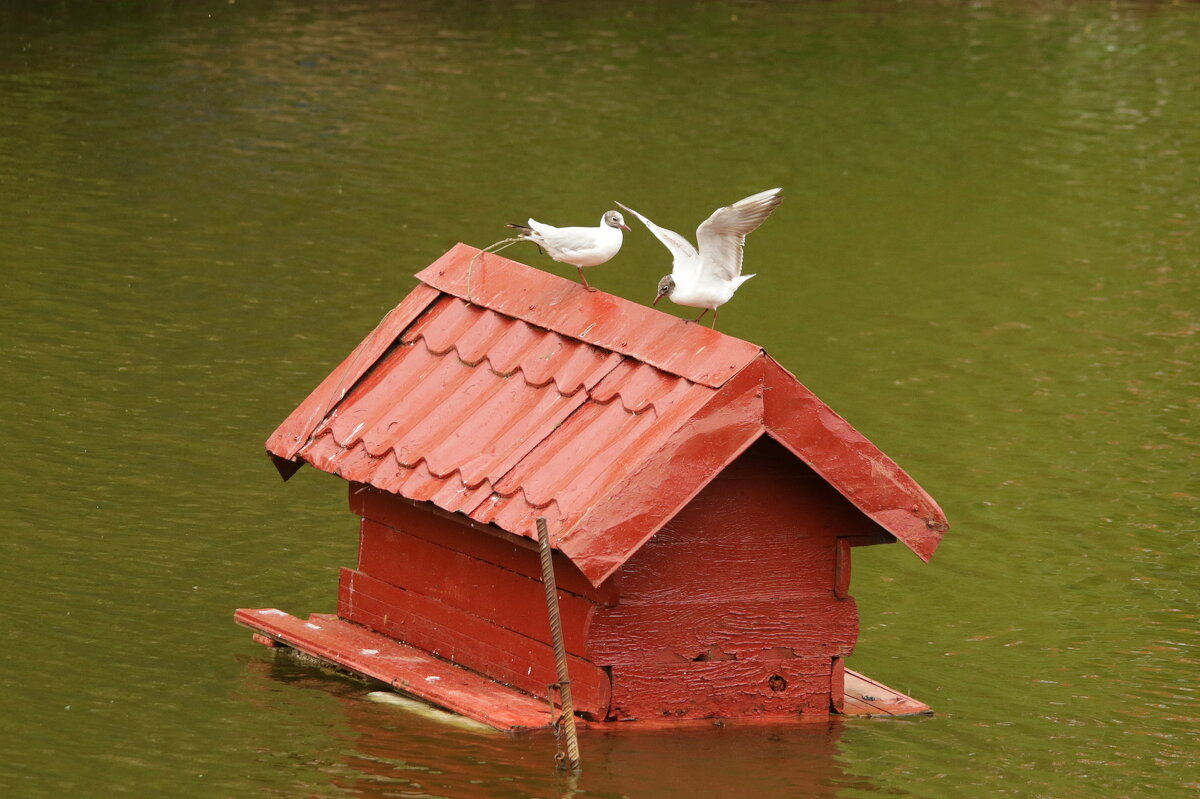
(872, 481)
(291, 436)
(286, 467)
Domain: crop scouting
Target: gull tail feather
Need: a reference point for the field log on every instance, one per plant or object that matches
(740, 279)
(522, 229)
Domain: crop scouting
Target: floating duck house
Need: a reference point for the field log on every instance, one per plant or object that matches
(702, 503)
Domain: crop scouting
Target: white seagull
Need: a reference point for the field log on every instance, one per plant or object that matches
(707, 279)
(577, 246)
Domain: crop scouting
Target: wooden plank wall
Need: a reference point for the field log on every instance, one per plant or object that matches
(740, 606)
(471, 597)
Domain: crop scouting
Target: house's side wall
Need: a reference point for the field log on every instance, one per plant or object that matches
(735, 608)
(468, 596)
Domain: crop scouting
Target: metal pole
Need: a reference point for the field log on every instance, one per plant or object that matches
(567, 719)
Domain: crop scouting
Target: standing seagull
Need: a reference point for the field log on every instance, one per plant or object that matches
(707, 279)
(577, 246)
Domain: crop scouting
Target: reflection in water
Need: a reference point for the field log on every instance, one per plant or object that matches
(394, 752)
(987, 263)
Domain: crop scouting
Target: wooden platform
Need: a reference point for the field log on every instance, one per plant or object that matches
(866, 697)
(350, 647)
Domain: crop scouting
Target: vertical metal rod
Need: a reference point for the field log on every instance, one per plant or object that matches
(560, 650)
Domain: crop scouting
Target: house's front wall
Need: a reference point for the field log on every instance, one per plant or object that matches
(739, 606)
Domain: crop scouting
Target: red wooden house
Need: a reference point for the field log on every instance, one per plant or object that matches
(702, 504)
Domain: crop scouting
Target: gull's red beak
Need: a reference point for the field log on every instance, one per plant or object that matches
(626, 227)
(656, 299)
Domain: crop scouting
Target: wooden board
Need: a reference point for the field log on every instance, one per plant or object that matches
(354, 648)
(837, 685)
(454, 578)
(468, 640)
(682, 631)
(481, 541)
(867, 697)
(757, 563)
(841, 571)
(722, 689)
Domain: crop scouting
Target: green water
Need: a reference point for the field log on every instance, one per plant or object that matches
(987, 262)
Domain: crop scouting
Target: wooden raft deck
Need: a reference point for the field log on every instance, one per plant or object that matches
(350, 647)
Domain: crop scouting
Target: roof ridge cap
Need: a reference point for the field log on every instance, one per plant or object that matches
(696, 353)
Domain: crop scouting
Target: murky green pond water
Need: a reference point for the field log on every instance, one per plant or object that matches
(987, 262)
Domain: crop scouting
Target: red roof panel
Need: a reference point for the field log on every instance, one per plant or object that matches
(697, 353)
(290, 436)
(541, 399)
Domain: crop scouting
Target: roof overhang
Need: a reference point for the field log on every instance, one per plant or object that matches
(737, 394)
(872, 481)
(762, 399)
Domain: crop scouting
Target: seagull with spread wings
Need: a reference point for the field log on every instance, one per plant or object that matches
(709, 277)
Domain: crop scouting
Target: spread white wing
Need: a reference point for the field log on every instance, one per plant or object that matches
(682, 252)
(723, 235)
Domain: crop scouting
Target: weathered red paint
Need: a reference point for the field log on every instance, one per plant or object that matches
(466, 639)
(265, 640)
(702, 502)
(730, 609)
(343, 645)
(837, 685)
(841, 568)
(541, 399)
(349, 646)
(509, 552)
(458, 580)
(851, 463)
(288, 439)
(694, 352)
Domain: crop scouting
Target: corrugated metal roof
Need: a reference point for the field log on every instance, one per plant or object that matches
(537, 398)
